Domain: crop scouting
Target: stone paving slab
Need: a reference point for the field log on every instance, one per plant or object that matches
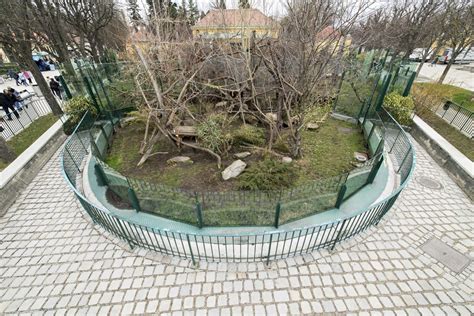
(54, 261)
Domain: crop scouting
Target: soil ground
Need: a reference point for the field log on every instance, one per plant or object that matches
(327, 152)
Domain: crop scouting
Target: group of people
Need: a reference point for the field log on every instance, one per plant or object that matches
(23, 77)
(11, 102)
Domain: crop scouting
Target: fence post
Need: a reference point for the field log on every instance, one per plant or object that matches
(374, 170)
(339, 235)
(133, 199)
(381, 97)
(379, 147)
(277, 215)
(191, 250)
(101, 175)
(371, 132)
(91, 93)
(199, 214)
(406, 92)
(459, 110)
(94, 146)
(269, 248)
(340, 195)
(66, 88)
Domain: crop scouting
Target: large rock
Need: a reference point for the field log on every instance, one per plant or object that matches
(234, 170)
(222, 104)
(179, 159)
(312, 126)
(271, 117)
(360, 157)
(242, 155)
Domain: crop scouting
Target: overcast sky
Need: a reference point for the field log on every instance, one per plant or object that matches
(269, 7)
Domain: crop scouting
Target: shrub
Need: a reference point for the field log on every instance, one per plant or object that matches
(266, 175)
(212, 134)
(249, 134)
(76, 107)
(400, 107)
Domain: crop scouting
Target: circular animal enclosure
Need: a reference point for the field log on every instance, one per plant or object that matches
(195, 241)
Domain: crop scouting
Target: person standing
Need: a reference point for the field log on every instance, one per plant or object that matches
(22, 79)
(27, 76)
(7, 99)
(55, 88)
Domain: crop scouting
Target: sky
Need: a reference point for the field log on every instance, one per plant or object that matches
(269, 7)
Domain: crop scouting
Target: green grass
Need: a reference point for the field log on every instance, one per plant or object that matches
(19, 143)
(452, 135)
(329, 152)
(445, 91)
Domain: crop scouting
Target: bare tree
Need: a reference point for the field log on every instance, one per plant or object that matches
(88, 18)
(17, 39)
(459, 30)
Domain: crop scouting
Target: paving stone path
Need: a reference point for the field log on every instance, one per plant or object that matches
(54, 261)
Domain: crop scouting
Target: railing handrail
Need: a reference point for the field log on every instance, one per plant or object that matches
(273, 231)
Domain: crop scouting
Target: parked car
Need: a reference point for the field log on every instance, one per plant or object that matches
(418, 53)
(466, 56)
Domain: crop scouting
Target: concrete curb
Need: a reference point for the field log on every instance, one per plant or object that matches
(444, 156)
(13, 188)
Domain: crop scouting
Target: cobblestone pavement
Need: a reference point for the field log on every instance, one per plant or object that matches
(52, 260)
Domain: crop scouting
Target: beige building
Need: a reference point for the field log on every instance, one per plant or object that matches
(236, 25)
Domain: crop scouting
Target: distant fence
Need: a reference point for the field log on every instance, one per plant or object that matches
(32, 109)
(458, 117)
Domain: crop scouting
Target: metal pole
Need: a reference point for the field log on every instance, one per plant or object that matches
(406, 92)
(199, 214)
(340, 195)
(191, 250)
(277, 215)
(338, 235)
(66, 88)
(455, 115)
(374, 170)
(269, 249)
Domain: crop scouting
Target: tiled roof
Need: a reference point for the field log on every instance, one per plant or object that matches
(235, 17)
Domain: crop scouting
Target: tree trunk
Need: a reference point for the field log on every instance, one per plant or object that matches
(6, 154)
(446, 70)
(44, 87)
(422, 62)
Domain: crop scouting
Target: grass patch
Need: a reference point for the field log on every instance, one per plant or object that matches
(463, 143)
(19, 143)
(445, 91)
(329, 151)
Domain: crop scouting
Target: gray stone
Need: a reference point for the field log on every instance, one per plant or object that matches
(221, 104)
(179, 159)
(234, 170)
(360, 157)
(242, 155)
(271, 117)
(286, 160)
(312, 126)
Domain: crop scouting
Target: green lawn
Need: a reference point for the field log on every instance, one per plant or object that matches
(445, 91)
(452, 135)
(329, 151)
(19, 143)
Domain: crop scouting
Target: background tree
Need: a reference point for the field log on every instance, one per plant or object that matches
(244, 4)
(89, 18)
(17, 39)
(459, 30)
(134, 13)
(218, 5)
(193, 12)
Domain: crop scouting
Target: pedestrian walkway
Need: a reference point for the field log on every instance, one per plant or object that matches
(52, 259)
(458, 75)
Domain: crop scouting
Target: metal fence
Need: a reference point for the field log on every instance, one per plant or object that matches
(244, 247)
(237, 208)
(32, 109)
(457, 116)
